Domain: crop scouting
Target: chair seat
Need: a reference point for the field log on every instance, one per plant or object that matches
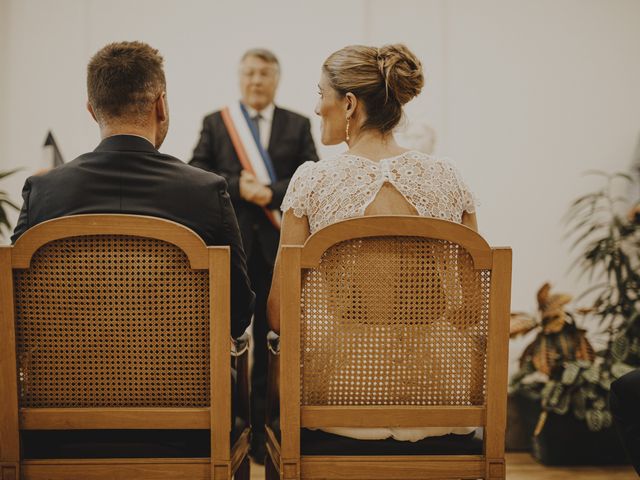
(40, 444)
(318, 442)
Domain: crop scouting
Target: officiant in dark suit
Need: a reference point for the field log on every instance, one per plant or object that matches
(257, 147)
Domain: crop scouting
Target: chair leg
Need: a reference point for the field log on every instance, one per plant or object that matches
(270, 471)
(496, 470)
(244, 470)
(9, 470)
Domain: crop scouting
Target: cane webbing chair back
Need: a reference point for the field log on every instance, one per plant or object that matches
(116, 322)
(393, 321)
(112, 321)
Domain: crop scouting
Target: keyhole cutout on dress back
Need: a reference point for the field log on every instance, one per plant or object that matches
(389, 201)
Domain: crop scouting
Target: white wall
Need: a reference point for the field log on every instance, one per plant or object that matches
(4, 76)
(524, 96)
(539, 92)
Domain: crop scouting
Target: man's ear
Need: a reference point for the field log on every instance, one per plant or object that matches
(161, 107)
(351, 103)
(90, 110)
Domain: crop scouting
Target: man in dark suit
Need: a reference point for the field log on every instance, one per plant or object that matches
(127, 174)
(286, 136)
(624, 400)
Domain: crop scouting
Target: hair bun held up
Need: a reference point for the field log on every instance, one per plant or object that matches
(401, 72)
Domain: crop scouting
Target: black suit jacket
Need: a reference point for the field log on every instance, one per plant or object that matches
(126, 174)
(290, 145)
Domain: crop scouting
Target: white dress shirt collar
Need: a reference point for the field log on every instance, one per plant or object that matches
(265, 121)
(266, 113)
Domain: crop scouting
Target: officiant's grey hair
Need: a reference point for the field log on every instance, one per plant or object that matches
(263, 54)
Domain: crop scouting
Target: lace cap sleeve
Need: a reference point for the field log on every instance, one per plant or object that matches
(299, 190)
(469, 201)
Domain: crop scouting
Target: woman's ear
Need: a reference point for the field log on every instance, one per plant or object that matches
(351, 103)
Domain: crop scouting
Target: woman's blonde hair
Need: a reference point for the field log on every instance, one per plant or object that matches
(384, 79)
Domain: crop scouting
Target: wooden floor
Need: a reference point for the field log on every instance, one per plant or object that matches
(520, 466)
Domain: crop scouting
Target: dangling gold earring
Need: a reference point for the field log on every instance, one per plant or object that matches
(347, 130)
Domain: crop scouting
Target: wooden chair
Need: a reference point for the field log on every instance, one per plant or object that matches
(390, 321)
(117, 324)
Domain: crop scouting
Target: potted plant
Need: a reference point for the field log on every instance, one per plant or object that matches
(559, 341)
(4, 203)
(560, 374)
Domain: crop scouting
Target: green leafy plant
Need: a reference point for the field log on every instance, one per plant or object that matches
(4, 203)
(609, 245)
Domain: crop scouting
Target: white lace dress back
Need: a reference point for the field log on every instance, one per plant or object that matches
(343, 187)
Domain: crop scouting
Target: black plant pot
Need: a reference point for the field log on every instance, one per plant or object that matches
(565, 440)
(522, 416)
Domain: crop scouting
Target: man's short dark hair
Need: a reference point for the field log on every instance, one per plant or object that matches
(124, 79)
(262, 53)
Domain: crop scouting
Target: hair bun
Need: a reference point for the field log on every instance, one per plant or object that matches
(401, 71)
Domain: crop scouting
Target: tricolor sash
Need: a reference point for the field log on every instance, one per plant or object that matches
(252, 155)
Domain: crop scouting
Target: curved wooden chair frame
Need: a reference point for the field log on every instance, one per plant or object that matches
(225, 460)
(285, 458)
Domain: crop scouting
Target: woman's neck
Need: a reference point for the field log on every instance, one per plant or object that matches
(374, 145)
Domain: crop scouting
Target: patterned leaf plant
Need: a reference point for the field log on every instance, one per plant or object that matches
(559, 340)
(554, 361)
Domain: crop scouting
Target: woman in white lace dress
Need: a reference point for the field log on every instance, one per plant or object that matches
(362, 91)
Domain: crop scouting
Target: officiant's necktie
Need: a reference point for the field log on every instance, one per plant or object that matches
(256, 124)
